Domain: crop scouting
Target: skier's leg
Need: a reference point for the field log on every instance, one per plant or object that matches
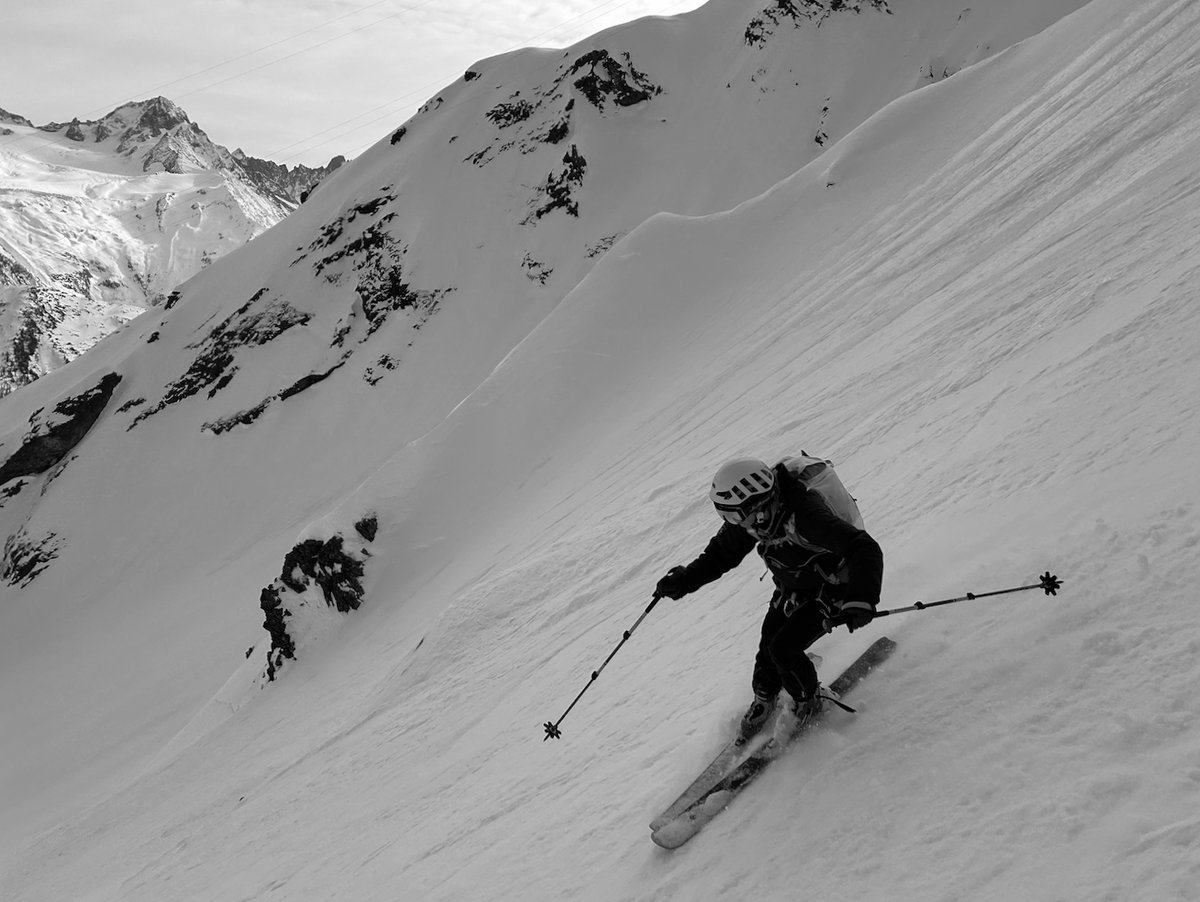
(787, 647)
(767, 680)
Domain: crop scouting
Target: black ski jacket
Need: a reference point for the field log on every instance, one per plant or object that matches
(813, 552)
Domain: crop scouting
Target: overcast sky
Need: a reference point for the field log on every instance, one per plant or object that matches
(295, 81)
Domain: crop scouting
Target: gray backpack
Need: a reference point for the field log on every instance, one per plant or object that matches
(819, 476)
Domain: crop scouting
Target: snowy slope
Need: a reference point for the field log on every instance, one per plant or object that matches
(101, 220)
(977, 303)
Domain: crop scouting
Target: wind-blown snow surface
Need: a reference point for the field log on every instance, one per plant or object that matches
(979, 304)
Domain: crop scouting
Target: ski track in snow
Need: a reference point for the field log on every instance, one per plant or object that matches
(988, 322)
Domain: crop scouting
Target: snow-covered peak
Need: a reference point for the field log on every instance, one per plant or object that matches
(152, 135)
(102, 219)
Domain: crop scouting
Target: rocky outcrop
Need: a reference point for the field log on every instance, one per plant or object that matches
(8, 118)
(319, 577)
(52, 437)
(257, 322)
(25, 557)
(799, 12)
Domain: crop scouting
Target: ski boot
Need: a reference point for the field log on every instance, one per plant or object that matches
(757, 716)
(807, 708)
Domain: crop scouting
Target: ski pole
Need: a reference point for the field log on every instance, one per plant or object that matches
(552, 730)
(1049, 583)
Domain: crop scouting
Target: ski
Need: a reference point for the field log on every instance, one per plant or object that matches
(727, 759)
(675, 831)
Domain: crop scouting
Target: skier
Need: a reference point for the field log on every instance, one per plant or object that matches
(827, 572)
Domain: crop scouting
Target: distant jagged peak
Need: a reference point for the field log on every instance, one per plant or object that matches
(136, 122)
(158, 113)
(133, 125)
(256, 163)
(294, 182)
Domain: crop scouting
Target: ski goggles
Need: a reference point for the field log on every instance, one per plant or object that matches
(748, 517)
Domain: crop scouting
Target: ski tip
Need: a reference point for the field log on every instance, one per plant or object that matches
(672, 834)
(675, 832)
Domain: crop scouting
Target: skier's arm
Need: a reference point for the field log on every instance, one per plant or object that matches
(724, 551)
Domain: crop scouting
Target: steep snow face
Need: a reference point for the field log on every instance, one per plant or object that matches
(100, 220)
(977, 302)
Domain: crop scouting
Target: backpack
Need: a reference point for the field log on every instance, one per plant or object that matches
(819, 476)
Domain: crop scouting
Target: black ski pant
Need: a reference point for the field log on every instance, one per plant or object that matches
(781, 662)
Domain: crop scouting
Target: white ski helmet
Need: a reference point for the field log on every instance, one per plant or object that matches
(741, 487)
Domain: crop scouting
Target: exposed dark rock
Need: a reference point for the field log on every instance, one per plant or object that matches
(26, 558)
(602, 246)
(798, 12)
(607, 79)
(375, 372)
(214, 366)
(527, 124)
(50, 440)
(559, 187)
(14, 119)
(506, 114)
(535, 270)
(368, 527)
(10, 491)
(241, 418)
(246, 417)
(275, 623)
(312, 565)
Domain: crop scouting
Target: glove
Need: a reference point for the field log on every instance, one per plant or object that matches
(853, 614)
(674, 585)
